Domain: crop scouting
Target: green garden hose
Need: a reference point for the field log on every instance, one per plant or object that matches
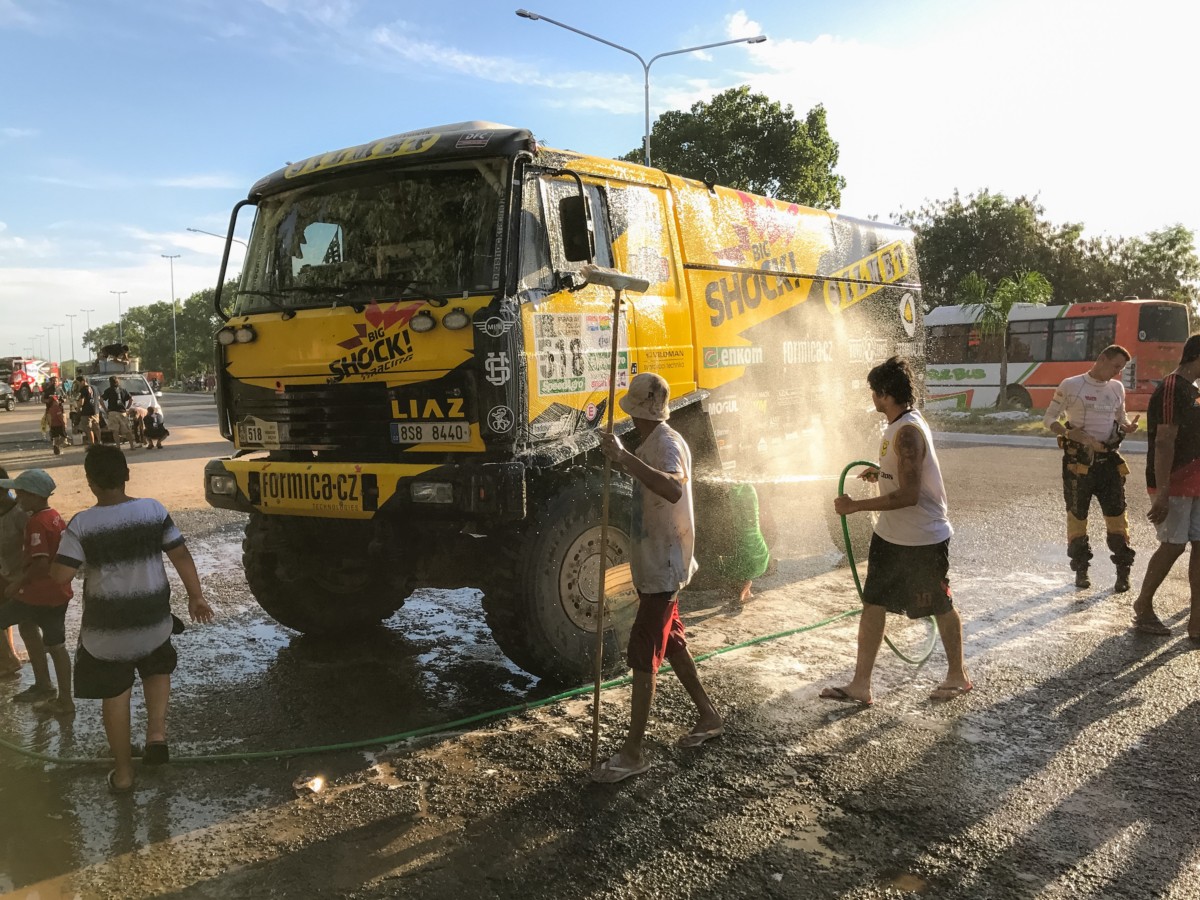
(494, 713)
(932, 625)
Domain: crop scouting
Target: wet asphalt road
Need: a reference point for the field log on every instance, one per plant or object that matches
(1069, 772)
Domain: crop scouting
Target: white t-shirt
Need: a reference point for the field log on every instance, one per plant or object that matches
(927, 522)
(664, 533)
(1088, 404)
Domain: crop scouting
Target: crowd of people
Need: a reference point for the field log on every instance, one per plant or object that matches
(113, 412)
(127, 624)
(117, 545)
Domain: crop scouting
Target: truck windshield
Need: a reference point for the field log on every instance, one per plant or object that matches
(429, 232)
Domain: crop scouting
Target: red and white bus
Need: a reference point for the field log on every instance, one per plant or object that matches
(1047, 344)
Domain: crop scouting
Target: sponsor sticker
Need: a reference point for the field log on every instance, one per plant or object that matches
(726, 357)
(500, 419)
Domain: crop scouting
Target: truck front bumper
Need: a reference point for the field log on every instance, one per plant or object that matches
(494, 491)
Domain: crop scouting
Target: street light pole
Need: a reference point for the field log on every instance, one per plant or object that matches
(50, 328)
(88, 314)
(74, 361)
(532, 16)
(221, 236)
(170, 258)
(120, 326)
(59, 326)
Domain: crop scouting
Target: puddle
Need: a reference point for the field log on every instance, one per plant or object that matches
(906, 882)
(809, 838)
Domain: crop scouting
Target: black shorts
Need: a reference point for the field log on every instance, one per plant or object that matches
(909, 580)
(52, 620)
(102, 679)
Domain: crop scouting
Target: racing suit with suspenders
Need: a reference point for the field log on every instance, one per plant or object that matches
(1098, 408)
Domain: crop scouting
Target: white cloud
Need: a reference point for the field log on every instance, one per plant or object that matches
(14, 15)
(16, 134)
(1079, 102)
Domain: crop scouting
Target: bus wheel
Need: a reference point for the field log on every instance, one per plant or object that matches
(1018, 398)
(23, 393)
(317, 579)
(541, 604)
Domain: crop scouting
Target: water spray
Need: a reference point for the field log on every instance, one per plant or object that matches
(619, 282)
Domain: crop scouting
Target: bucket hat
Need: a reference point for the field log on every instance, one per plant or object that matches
(647, 397)
(32, 481)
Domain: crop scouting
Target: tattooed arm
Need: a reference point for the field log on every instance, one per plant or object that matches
(909, 446)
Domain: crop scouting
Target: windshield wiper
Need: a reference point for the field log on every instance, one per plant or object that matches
(270, 297)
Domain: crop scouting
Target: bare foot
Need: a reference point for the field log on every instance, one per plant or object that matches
(745, 594)
(951, 689)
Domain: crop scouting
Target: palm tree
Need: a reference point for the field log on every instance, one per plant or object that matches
(992, 307)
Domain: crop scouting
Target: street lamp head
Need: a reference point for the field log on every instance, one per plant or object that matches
(526, 14)
(758, 39)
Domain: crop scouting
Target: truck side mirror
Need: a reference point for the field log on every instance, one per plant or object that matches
(578, 233)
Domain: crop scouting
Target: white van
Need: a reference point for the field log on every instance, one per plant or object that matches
(139, 389)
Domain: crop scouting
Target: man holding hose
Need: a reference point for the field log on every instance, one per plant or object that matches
(909, 559)
(661, 560)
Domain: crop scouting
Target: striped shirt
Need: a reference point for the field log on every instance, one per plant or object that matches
(126, 595)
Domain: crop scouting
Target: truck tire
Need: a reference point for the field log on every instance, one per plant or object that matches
(541, 603)
(9, 403)
(23, 393)
(317, 577)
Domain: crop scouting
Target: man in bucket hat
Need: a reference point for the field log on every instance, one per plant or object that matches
(36, 602)
(663, 537)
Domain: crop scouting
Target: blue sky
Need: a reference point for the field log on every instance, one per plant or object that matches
(125, 122)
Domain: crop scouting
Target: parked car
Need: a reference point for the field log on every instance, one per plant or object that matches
(139, 389)
(7, 398)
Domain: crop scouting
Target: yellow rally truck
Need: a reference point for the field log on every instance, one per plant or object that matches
(413, 370)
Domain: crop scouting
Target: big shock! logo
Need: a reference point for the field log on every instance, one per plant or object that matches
(380, 344)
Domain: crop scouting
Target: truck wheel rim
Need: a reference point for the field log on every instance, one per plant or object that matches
(579, 579)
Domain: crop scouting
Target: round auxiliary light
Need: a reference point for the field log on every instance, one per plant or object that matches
(456, 319)
(225, 337)
(422, 322)
(244, 334)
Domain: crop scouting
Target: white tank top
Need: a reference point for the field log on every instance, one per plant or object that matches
(927, 522)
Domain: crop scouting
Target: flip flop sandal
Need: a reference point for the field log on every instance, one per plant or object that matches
(946, 694)
(112, 784)
(696, 738)
(610, 773)
(840, 696)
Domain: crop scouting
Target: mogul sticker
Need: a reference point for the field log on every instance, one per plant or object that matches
(380, 344)
(574, 352)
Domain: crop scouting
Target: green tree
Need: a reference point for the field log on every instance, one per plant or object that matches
(992, 307)
(151, 334)
(993, 236)
(751, 143)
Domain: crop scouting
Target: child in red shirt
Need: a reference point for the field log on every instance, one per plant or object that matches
(36, 602)
(58, 423)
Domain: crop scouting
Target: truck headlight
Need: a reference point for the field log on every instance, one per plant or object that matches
(432, 492)
(223, 485)
(423, 322)
(456, 319)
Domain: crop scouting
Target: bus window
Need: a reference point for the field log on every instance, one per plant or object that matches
(983, 348)
(1161, 322)
(1069, 340)
(1104, 334)
(948, 343)
(1027, 340)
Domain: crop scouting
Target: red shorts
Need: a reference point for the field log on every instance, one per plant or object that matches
(657, 632)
